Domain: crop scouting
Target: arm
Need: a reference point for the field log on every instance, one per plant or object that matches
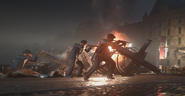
(21, 57)
(88, 49)
(77, 45)
(30, 61)
(102, 46)
(36, 58)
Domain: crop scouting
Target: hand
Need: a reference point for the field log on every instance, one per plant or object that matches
(114, 45)
(30, 62)
(38, 55)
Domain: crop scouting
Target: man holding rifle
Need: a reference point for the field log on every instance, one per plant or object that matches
(103, 54)
(74, 58)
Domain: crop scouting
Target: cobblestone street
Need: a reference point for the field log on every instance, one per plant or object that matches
(170, 88)
(139, 85)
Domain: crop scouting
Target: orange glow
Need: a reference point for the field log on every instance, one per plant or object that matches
(119, 36)
(110, 49)
(114, 56)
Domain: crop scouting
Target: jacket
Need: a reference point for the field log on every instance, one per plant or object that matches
(19, 62)
(77, 50)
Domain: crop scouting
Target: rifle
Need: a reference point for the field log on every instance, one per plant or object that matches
(92, 45)
(119, 42)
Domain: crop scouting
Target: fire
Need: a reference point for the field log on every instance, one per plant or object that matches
(110, 49)
(115, 54)
(119, 36)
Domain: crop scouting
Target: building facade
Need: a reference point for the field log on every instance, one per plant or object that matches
(165, 26)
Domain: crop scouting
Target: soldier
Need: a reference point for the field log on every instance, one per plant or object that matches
(74, 56)
(103, 54)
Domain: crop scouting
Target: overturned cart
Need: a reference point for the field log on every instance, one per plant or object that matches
(132, 59)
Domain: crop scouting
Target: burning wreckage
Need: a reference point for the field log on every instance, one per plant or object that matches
(128, 61)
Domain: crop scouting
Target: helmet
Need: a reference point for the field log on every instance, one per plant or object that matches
(110, 36)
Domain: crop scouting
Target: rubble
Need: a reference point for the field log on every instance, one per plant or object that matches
(123, 66)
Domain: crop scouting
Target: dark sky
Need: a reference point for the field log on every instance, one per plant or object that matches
(41, 18)
(23, 22)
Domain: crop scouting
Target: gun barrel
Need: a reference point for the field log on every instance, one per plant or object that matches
(92, 45)
(122, 41)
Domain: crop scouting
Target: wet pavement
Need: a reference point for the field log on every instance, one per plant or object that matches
(139, 85)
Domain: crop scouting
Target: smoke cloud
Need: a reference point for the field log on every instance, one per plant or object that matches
(112, 12)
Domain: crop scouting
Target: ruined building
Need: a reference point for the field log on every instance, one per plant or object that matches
(165, 26)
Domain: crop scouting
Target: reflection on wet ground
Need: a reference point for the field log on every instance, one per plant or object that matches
(170, 88)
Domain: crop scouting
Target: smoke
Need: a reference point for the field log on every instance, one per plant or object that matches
(120, 36)
(112, 12)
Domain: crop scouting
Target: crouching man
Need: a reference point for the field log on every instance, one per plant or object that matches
(74, 58)
(20, 62)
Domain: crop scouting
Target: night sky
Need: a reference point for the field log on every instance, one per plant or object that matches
(23, 22)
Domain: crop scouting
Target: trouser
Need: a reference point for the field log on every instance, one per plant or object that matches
(72, 64)
(109, 61)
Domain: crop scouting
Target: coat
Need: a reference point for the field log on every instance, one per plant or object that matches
(77, 50)
(19, 62)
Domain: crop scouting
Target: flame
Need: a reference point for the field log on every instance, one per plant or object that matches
(114, 56)
(110, 49)
(119, 36)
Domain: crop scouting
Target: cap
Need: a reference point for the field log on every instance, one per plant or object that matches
(110, 36)
(27, 52)
(83, 41)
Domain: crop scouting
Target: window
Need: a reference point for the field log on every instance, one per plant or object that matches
(160, 24)
(159, 43)
(169, 23)
(179, 30)
(159, 33)
(168, 42)
(179, 40)
(168, 53)
(179, 62)
(168, 62)
(168, 31)
(150, 34)
(151, 25)
(180, 20)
